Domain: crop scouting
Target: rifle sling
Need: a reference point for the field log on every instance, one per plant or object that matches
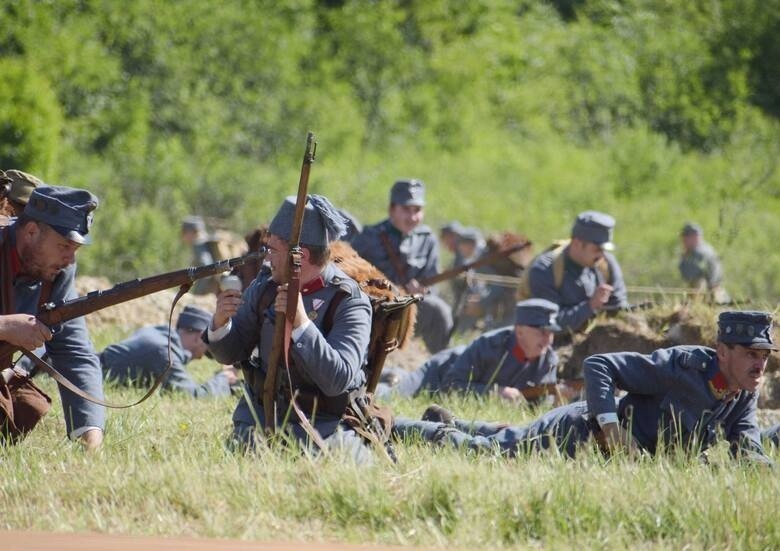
(9, 307)
(62, 380)
(395, 260)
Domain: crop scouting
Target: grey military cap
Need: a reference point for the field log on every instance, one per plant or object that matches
(193, 223)
(537, 312)
(452, 227)
(67, 210)
(193, 319)
(322, 223)
(691, 228)
(408, 192)
(749, 329)
(594, 227)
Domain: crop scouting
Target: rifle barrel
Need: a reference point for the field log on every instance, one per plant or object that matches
(55, 313)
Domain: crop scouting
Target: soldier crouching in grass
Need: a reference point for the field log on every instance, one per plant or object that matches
(329, 339)
(38, 265)
(682, 395)
(143, 357)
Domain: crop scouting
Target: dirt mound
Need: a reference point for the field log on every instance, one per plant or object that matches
(645, 332)
(631, 333)
(148, 310)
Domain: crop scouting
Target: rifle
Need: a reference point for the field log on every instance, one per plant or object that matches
(52, 313)
(280, 345)
(539, 391)
(484, 260)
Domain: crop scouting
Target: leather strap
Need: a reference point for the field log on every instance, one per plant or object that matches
(62, 380)
(395, 260)
(9, 307)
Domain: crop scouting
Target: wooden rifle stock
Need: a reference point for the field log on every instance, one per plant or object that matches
(484, 260)
(540, 391)
(292, 277)
(55, 313)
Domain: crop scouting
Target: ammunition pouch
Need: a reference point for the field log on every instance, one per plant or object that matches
(310, 399)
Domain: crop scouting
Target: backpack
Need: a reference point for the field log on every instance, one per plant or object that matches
(558, 265)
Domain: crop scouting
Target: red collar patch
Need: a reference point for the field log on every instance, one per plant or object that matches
(519, 354)
(719, 386)
(312, 286)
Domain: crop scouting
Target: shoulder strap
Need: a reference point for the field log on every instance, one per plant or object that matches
(395, 260)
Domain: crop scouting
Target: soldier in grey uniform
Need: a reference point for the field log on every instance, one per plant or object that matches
(194, 234)
(504, 360)
(330, 333)
(591, 281)
(681, 395)
(143, 357)
(38, 255)
(406, 252)
(699, 264)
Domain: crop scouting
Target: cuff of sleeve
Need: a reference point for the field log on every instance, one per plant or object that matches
(218, 334)
(606, 418)
(298, 331)
(75, 433)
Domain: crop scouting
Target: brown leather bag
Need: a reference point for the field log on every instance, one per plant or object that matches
(22, 405)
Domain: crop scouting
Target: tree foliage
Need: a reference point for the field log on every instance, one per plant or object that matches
(658, 108)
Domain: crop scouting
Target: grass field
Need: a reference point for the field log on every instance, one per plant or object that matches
(164, 471)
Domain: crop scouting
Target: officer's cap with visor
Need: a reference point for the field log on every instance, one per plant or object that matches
(749, 329)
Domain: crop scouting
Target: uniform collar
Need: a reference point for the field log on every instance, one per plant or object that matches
(392, 230)
(514, 347)
(313, 285)
(717, 382)
(519, 354)
(329, 275)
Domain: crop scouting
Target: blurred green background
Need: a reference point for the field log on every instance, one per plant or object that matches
(517, 114)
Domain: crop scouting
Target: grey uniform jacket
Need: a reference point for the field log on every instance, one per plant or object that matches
(70, 349)
(418, 252)
(495, 359)
(674, 390)
(333, 362)
(701, 264)
(579, 284)
(142, 357)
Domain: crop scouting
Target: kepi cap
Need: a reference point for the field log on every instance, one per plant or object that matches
(408, 192)
(594, 227)
(193, 319)
(67, 210)
(749, 329)
(539, 313)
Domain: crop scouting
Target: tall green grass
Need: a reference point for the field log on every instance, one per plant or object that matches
(164, 470)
